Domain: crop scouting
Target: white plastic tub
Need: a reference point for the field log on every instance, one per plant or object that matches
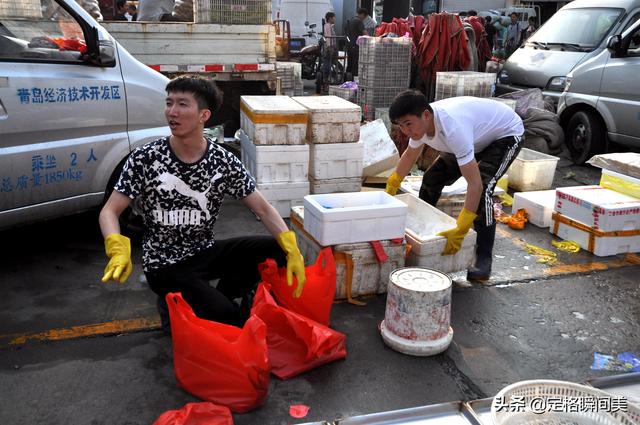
(284, 196)
(335, 161)
(532, 170)
(596, 241)
(331, 119)
(277, 163)
(539, 206)
(351, 184)
(380, 153)
(368, 276)
(424, 222)
(354, 217)
(273, 120)
(598, 207)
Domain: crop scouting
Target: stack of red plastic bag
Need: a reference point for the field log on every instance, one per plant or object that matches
(217, 362)
(484, 50)
(399, 26)
(197, 414)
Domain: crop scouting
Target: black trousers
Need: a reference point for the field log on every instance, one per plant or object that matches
(493, 162)
(234, 261)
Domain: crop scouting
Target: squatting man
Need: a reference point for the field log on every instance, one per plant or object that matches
(178, 183)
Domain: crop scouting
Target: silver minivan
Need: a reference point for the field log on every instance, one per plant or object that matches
(601, 100)
(73, 104)
(573, 35)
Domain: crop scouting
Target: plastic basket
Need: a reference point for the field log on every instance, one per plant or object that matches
(23, 9)
(253, 12)
(464, 83)
(521, 396)
(532, 170)
(349, 94)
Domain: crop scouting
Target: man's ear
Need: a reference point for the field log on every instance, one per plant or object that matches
(205, 114)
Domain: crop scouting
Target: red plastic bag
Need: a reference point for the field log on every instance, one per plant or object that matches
(319, 290)
(204, 413)
(216, 362)
(296, 344)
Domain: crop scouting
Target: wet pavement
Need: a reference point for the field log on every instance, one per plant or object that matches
(76, 351)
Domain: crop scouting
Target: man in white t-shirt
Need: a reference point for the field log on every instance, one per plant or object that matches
(478, 139)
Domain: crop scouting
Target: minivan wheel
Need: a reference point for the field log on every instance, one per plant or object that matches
(584, 136)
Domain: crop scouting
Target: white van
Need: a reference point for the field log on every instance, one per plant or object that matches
(601, 100)
(73, 104)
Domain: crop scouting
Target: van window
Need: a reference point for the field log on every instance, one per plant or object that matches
(634, 44)
(585, 27)
(39, 30)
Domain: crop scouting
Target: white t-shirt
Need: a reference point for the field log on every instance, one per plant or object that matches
(152, 10)
(466, 125)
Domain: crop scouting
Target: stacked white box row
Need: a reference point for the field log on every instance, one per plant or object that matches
(336, 167)
(331, 119)
(600, 220)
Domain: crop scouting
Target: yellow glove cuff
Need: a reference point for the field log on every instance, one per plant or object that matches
(393, 183)
(466, 219)
(287, 241)
(116, 243)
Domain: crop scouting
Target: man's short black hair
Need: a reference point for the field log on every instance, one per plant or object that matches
(121, 3)
(409, 102)
(329, 15)
(204, 91)
(472, 13)
(488, 19)
(513, 14)
(363, 11)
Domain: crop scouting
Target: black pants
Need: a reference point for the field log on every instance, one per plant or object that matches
(493, 162)
(353, 51)
(233, 261)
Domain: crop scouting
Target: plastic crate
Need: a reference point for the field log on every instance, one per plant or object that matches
(385, 51)
(358, 272)
(372, 98)
(464, 83)
(424, 222)
(382, 75)
(532, 170)
(348, 94)
(354, 217)
(23, 9)
(252, 12)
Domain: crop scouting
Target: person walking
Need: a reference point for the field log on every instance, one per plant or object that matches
(514, 35)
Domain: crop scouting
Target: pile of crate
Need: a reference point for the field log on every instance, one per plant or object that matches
(251, 12)
(294, 146)
(290, 75)
(384, 70)
(464, 83)
(333, 134)
(347, 93)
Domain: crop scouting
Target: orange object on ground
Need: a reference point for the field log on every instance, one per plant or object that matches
(515, 221)
(216, 362)
(319, 290)
(296, 344)
(204, 413)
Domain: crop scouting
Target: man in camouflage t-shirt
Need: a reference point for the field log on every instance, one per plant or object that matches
(179, 183)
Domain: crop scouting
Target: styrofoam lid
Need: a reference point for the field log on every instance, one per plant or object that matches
(420, 279)
(273, 105)
(600, 196)
(326, 104)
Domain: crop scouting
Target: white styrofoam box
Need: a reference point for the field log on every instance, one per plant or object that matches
(273, 120)
(539, 206)
(620, 183)
(598, 207)
(598, 242)
(331, 119)
(284, 196)
(276, 163)
(354, 217)
(532, 170)
(424, 222)
(368, 275)
(380, 153)
(335, 161)
(351, 184)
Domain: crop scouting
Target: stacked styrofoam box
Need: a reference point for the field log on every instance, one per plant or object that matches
(368, 275)
(424, 222)
(464, 83)
(273, 149)
(600, 220)
(538, 204)
(336, 154)
(384, 70)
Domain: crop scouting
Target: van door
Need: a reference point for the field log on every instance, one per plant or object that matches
(59, 114)
(620, 90)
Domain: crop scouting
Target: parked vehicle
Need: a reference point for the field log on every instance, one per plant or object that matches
(601, 100)
(575, 34)
(73, 104)
(309, 55)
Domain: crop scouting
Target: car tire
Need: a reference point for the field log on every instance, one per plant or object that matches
(585, 136)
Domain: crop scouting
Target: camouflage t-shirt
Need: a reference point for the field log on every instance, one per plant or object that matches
(180, 202)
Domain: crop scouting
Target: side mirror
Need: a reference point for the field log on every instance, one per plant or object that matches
(107, 54)
(614, 42)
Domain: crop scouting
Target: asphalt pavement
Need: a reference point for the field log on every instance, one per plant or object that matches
(76, 351)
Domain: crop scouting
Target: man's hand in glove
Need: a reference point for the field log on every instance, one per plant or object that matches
(295, 262)
(393, 183)
(118, 249)
(456, 235)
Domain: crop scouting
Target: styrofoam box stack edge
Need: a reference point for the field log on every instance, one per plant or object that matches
(276, 163)
(331, 119)
(280, 133)
(284, 196)
(336, 161)
(538, 204)
(351, 184)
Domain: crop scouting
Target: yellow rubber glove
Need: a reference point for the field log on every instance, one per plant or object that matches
(393, 184)
(456, 235)
(118, 249)
(295, 261)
